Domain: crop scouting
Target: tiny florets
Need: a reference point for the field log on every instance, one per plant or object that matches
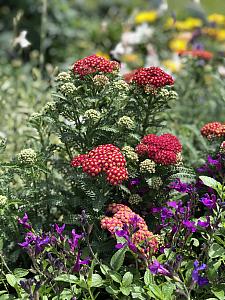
(152, 76)
(156, 183)
(100, 80)
(162, 149)
(126, 122)
(123, 216)
(135, 199)
(148, 166)
(130, 153)
(104, 158)
(92, 115)
(67, 88)
(213, 130)
(94, 64)
(27, 157)
(63, 76)
(3, 200)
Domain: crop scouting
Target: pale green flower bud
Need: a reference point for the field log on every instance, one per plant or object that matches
(27, 157)
(63, 76)
(135, 199)
(121, 85)
(148, 166)
(130, 153)
(100, 80)
(67, 88)
(3, 200)
(126, 122)
(156, 183)
(92, 115)
(49, 107)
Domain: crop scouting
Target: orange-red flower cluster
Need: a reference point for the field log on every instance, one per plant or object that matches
(104, 158)
(94, 64)
(212, 130)
(162, 149)
(122, 216)
(203, 54)
(152, 76)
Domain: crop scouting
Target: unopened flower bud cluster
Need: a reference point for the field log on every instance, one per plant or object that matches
(3, 200)
(135, 199)
(130, 153)
(27, 157)
(63, 76)
(148, 166)
(67, 88)
(92, 115)
(126, 122)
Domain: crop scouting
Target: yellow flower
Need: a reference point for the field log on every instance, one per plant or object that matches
(172, 65)
(130, 57)
(146, 16)
(188, 24)
(103, 54)
(170, 23)
(217, 18)
(178, 44)
(220, 35)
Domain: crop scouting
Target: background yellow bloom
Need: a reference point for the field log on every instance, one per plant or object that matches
(146, 16)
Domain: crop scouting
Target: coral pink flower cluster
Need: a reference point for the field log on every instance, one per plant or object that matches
(162, 149)
(212, 130)
(152, 76)
(104, 158)
(122, 215)
(94, 64)
(203, 54)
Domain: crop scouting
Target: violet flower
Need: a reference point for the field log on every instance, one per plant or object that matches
(125, 234)
(157, 268)
(209, 200)
(181, 187)
(24, 222)
(60, 230)
(74, 241)
(200, 280)
(190, 225)
(79, 262)
(204, 224)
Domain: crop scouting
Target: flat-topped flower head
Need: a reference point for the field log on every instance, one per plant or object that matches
(163, 149)
(94, 64)
(213, 130)
(152, 76)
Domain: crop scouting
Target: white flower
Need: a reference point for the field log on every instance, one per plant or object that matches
(21, 40)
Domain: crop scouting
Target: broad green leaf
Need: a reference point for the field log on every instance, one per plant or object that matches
(127, 279)
(155, 289)
(20, 273)
(96, 280)
(105, 269)
(112, 290)
(67, 278)
(219, 291)
(216, 251)
(148, 277)
(118, 259)
(125, 290)
(211, 182)
(116, 277)
(11, 279)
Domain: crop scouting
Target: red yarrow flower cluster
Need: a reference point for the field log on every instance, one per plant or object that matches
(122, 215)
(104, 158)
(152, 76)
(203, 54)
(213, 130)
(94, 64)
(162, 149)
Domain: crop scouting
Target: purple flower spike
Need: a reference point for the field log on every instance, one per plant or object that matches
(157, 268)
(79, 262)
(209, 200)
(201, 281)
(74, 241)
(24, 222)
(125, 235)
(60, 230)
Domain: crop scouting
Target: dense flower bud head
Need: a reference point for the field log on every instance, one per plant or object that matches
(27, 157)
(104, 158)
(3, 200)
(92, 115)
(63, 76)
(135, 199)
(100, 80)
(162, 149)
(213, 129)
(152, 76)
(202, 54)
(124, 217)
(126, 122)
(130, 153)
(67, 88)
(147, 165)
(94, 64)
